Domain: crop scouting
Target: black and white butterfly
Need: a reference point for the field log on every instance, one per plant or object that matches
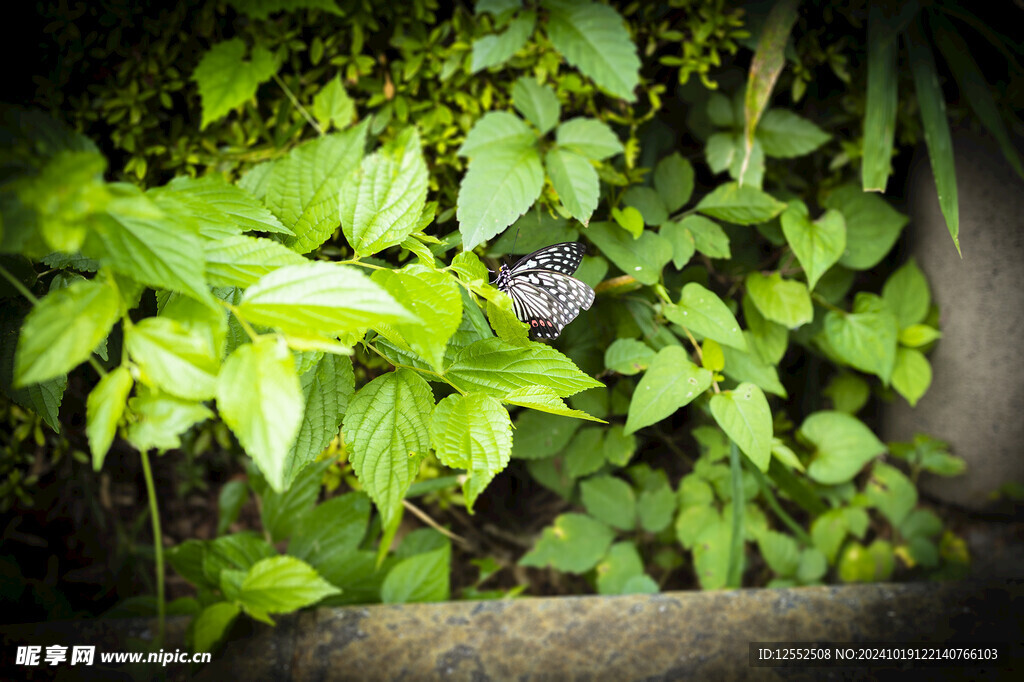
(544, 293)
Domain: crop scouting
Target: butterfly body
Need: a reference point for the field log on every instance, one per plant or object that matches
(544, 293)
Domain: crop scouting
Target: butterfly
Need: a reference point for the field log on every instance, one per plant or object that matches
(544, 293)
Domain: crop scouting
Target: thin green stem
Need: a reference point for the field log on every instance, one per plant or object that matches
(158, 545)
(241, 320)
(415, 369)
(735, 573)
(820, 300)
(16, 283)
(779, 512)
(295, 103)
(356, 261)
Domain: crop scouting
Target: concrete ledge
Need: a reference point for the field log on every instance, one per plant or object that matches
(703, 635)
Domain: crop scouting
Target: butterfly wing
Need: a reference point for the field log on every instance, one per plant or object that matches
(564, 258)
(547, 300)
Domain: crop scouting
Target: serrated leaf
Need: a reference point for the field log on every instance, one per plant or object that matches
(260, 399)
(743, 205)
(327, 388)
(320, 297)
(497, 368)
(594, 39)
(63, 328)
(495, 50)
(240, 261)
(785, 135)
(103, 409)
(588, 137)
(226, 80)
(506, 325)
(434, 298)
(158, 420)
(539, 435)
(282, 584)
(497, 132)
(574, 544)
(213, 200)
(785, 301)
(818, 244)
(744, 415)
(181, 360)
(865, 339)
(906, 294)
(872, 226)
(545, 399)
(655, 507)
(673, 180)
(843, 445)
(641, 258)
(387, 426)
(333, 106)
(537, 103)
(498, 188)
(381, 202)
(628, 356)
(576, 182)
(702, 311)
(611, 500)
(302, 188)
(912, 375)
(671, 382)
(472, 432)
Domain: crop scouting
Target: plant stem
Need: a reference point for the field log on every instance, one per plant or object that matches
(773, 503)
(16, 283)
(158, 546)
(295, 103)
(735, 573)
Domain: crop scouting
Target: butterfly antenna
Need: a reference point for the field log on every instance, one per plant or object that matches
(513, 251)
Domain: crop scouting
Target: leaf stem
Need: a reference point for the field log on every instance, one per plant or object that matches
(16, 283)
(158, 546)
(302, 109)
(820, 300)
(774, 505)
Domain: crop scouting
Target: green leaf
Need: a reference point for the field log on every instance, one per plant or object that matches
(226, 80)
(882, 101)
(103, 410)
(749, 367)
(282, 584)
(181, 360)
(497, 132)
(327, 388)
(673, 180)
(912, 375)
(780, 552)
(387, 426)
(892, 493)
(843, 445)
(283, 511)
(865, 339)
(537, 103)
(785, 301)
(906, 294)
(682, 241)
(744, 415)
(302, 189)
(472, 432)
(711, 550)
(497, 368)
(611, 500)
(871, 564)
(233, 496)
(655, 507)
(576, 182)
(594, 39)
(573, 544)
(136, 239)
(744, 205)
(498, 188)
(588, 137)
(240, 261)
(630, 219)
(506, 325)
(332, 530)
(641, 258)
(818, 244)
(618, 568)
(917, 335)
(648, 202)
(708, 237)
(259, 398)
(671, 382)
(157, 421)
(495, 50)
(545, 399)
(770, 338)
(723, 150)
(848, 392)
(320, 297)
(539, 435)
(420, 578)
(584, 455)
(785, 135)
(872, 226)
(215, 203)
(434, 298)
(628, 356)
(261, 9)
(380, 203)
(212, 623)
(767, 64)
(333, 106)
(63, 328)
(702, 311)
(618, 447)
(936, 127)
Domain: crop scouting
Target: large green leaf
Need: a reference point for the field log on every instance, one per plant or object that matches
(872, 226)
(282, 584)
(260, 399)
(387, 427)
(495, 50)
(181, 360)
(671, 382)
(320, 297)
(497, 132)
(472, 432)
(103, 410)
(64, 328)
(785, 301)
(817, 244)
(843, 445)
(744, 205)
(327, 388)
(574, 544)
(784, 135)
(380, 203)
(906, 294)
(588, 137)
(332, 530)
(498, 188)
(497, 368)
(227, 80)
(537, 103)
(641, 258)
(866, 338)
(702, 311)
(216, 203)
(422, 577)
(240, 260)
(434, 298)
(744, 415)
(593, 38)
(302, 188)
(575, 180)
